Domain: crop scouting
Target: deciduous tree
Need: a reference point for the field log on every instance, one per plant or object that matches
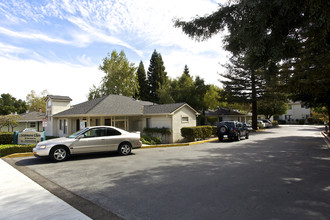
(120, 77)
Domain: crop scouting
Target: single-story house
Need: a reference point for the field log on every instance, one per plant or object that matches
(31, 120)
(118, 111)
(297, 111)
(223, 114)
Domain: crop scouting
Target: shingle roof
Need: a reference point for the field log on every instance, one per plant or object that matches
(32, 116)
(160, 109)
(108, 105)
(59, 97)
(222, 111)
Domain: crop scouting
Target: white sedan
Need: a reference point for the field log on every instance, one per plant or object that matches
(89, 140)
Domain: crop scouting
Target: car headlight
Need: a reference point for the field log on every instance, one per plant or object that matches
(43, 147)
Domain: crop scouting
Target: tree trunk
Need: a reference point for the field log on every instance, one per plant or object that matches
(328, 108)
(254, 103)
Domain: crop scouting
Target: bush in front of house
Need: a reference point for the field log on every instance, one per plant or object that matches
(6, 138)
(150, 140)
(196, 132)
(12, 149)
(214, 130)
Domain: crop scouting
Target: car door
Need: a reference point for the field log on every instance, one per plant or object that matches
(113, 139)
(93, 140)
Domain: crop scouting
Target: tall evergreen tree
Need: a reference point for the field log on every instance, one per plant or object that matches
(186, 70)
(156, 76)
(143, 85)
(293, 33)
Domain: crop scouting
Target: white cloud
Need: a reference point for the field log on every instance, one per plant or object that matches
(19, 77)
(32, 36)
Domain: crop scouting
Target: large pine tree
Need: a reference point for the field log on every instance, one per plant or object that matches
(294, 33)
(143, 85)
(156, 76)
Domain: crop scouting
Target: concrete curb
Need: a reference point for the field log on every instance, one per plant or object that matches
(143, 147)
(18, 155)
(179, 144)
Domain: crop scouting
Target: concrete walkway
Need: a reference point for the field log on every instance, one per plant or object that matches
(21, 198)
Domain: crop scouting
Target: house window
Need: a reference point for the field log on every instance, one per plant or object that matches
(184, 119)
(107, 122)
(65, 127)
(97, 122)
(148, 121)
(32, 124)
(61, 126)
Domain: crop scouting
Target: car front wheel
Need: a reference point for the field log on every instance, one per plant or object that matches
(125, 149)
(59, 154)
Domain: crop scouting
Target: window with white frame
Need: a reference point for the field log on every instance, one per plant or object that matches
(184, 119)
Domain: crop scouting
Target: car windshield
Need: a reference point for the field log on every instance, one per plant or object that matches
(78, 133)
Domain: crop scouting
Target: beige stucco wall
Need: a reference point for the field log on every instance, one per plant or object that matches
(177, 122)
(52, 124)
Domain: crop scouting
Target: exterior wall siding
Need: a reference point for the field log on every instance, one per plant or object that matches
(179, 121)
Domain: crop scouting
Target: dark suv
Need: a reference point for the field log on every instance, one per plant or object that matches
(232, 130)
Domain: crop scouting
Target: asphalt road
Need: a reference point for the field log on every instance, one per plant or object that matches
(281, 173)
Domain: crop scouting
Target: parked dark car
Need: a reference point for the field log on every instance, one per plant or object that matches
(233, 130)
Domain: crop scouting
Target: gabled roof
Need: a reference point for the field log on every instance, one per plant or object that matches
(107, 105)
(32, 116)
(165, 108)
(222, 111)
(58, 97)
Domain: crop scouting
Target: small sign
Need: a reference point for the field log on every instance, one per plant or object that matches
(83, 124)
(44, 122)
(29, 137)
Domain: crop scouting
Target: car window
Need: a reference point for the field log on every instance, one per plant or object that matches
(112, 132)
(96, 132)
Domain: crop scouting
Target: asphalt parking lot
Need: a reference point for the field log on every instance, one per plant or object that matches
(281, 173)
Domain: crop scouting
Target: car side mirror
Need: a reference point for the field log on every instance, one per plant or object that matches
(80, 136)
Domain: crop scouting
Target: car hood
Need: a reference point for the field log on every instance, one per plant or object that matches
(61, 140)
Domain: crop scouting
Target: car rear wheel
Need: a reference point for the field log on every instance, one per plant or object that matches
(59, 154)
(125, 149)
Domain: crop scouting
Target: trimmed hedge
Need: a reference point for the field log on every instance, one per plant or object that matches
(193, 133)
(162, 131)
(147, 139)
(12, 149)
(6, 138)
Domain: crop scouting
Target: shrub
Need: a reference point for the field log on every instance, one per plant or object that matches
(301, 121)
(281, 122)
(147, 139)
(275, 123)
(6, 138)
(214, 130)
(192, 133)
(162, 131)
(11, 149)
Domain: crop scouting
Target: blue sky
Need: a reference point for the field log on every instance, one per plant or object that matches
(58, 44)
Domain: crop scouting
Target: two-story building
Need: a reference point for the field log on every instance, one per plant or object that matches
(297, 111)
